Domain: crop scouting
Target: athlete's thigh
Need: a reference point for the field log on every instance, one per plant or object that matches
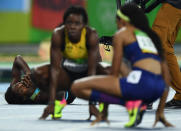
(104, 83)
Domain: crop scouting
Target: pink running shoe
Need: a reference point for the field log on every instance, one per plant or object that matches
(135, 110)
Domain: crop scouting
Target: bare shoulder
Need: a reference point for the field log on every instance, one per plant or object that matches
(57, 35)
(121, 34)
(91, 30)
(59, 30)
(91, 36)
(125, 35)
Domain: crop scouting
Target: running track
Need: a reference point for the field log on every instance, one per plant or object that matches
(25, 118)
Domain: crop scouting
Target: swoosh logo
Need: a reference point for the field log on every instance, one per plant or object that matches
(106, 47)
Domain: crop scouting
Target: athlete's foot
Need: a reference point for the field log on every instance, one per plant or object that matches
(140, 116)
(103, 108)
(97, 120)
(54, 109)
(150, 106)
(102, 114)
(135, 110)
(93, 111)
(59, 105)
(173, 104)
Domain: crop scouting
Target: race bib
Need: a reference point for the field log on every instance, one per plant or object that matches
(134, 77)
(145, 43)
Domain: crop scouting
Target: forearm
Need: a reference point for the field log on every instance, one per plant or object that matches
(166, 77)
(91, 70)
(55, 59)
(21, 65)
(53, 84)
(93, 52)
(163, 100)
(92, 64)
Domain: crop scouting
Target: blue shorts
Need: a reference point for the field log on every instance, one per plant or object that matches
(143, 85)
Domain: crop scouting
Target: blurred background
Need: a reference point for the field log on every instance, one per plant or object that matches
(26, 27)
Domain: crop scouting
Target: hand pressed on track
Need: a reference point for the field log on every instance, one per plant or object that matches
(160, 117)
(47, 111)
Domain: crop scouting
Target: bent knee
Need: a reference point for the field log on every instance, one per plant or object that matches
(75, 88)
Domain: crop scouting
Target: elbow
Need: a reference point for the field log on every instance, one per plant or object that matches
(18, 59)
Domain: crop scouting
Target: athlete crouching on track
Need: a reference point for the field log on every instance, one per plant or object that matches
(75, 46)
(74, 54)
(149, 78)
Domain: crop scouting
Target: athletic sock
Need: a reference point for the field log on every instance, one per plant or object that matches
(103, 97)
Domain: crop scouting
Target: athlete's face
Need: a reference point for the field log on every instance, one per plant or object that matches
(74, 24)
(19, 88)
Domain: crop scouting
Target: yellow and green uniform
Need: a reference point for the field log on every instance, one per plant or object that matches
(76, 51)
(75, 60)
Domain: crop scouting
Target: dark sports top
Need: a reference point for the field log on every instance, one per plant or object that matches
(142, 48)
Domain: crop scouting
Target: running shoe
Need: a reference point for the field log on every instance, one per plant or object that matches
(173, 104)
(135, 110)
(59, 105)
(150, 106)
(140, 116)
(101, 107)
